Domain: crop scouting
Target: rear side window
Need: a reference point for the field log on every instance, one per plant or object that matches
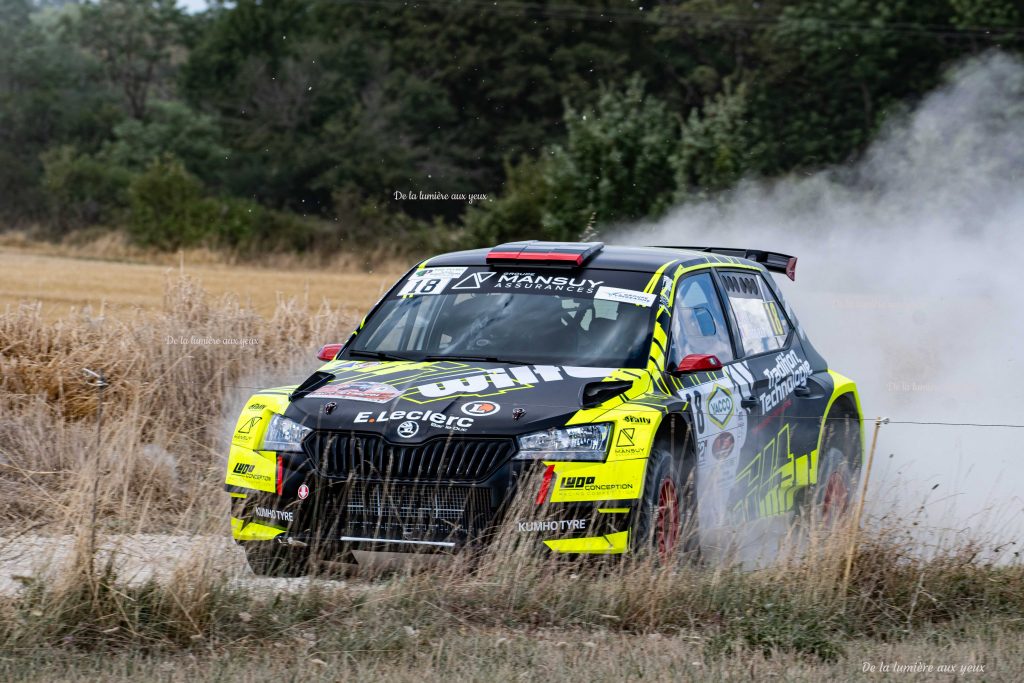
(759, 318)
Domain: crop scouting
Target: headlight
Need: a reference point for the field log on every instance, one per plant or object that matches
(284, 435)
(586, 442)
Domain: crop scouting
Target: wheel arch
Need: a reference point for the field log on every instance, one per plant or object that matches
(844, 396)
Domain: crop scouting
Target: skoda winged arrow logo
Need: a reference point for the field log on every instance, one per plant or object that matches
(408, 429)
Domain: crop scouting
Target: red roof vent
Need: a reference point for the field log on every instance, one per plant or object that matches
(548, 254)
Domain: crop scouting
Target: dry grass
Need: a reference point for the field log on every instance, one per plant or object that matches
(167, 407)
(508, 616)
(159, 465)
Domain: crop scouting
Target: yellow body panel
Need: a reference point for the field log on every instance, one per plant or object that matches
(252, 469)
(252, 531)
(581, 481)
(610, 544)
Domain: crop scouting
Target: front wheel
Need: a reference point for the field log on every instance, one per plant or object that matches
(665, 526)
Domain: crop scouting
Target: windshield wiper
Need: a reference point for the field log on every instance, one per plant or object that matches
(379, 355)
(479, 359)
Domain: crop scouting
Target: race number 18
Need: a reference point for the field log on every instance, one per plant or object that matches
(432, 285)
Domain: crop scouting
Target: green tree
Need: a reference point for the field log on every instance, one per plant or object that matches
(714, 147)
(135, 41)
(616, 163)
(171, 128)
(46, 100)
(518, 213)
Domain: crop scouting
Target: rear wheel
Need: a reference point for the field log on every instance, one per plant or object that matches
(665, 523)
(270, 558)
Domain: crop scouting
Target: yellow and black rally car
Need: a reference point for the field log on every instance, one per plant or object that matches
(588, 399)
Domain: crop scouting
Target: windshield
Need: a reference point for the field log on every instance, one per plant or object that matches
(597, 318)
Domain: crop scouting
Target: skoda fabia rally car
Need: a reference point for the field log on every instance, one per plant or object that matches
(584, 398)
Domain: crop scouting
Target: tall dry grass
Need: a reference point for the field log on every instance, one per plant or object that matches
(167, 405)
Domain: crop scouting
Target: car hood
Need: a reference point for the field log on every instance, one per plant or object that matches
(410, 402)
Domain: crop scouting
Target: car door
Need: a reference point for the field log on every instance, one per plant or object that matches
(770, 354)
(718, 400)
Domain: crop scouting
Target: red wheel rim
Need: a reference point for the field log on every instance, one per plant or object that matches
(667, 527)
(837, 493)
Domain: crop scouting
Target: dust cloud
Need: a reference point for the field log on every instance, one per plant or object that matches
(909, 281)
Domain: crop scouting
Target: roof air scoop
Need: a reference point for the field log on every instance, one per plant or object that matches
(544, 254)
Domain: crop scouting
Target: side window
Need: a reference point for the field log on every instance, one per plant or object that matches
(698, 323)
(759, 317)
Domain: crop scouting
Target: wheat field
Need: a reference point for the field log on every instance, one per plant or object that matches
(63, 283)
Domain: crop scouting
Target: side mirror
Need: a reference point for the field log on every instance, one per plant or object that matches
(698, 362)
(329, 351)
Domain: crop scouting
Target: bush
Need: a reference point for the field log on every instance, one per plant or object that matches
(167, 207)
(82, 189)
(170, 209)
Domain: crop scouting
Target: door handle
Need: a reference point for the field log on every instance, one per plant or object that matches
(749, 402)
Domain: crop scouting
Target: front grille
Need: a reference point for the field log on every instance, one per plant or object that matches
(370, 456)
(412, 512)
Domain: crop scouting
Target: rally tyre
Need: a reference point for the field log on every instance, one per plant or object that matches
(832, 497)
(270, 558)
(665, 523)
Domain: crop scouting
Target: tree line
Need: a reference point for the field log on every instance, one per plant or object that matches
(314, 124)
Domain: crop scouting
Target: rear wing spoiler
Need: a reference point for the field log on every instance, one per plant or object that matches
(771, 260)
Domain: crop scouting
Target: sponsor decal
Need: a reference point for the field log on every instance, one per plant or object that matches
(473, 280)
(720, 405)
(432, 419)
(276, 515)
(553, 525)
(666, 290)
(625, 296)
(408, 429)
(501, 380)
(635, 419)
(256, 406)
(303, 492)
(625, 437)
(430, 280)
(449, 272)
(789, 372)
(249, 424)
(723, 445)
(590, 484)
(546, 283)
(481, 408)
(247, 471)
(371, 392)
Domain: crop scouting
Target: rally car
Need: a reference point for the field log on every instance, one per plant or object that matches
(586, 399)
